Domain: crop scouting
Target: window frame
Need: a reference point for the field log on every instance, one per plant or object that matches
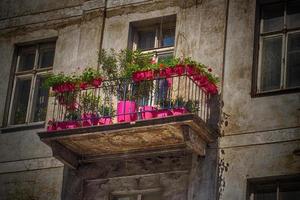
(252, 182)
(138, 193)
(33, 75)
(258, 36)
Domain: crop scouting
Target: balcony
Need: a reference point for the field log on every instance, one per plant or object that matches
(126, 117)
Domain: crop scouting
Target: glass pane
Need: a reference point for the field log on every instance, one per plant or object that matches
(290, 191)
(46, 55)
(152, 196)
(27, 57)
(293, 14)
(168, 37)
(271, 63)
(21, 98)
(293, 60)
(265, 192)
(40, 101)
(129, 197)
(272, 17)
(146, 40)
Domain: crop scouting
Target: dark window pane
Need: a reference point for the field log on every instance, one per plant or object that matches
(271, 63)
(129, 197)
(27, 57)
(46, 55)
(293, 14)
(293, 60)
(272, 17)
(265, 192)
(168, 37)
(40, 101)
(289, 190)
(152, 196)
(20, 104)
(146, 40)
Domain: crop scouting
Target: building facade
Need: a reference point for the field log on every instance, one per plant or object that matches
(254, 127)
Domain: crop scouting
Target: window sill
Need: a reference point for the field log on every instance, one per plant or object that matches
(275, 92)
(22, 127)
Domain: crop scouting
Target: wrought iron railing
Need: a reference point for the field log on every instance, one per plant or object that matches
(124, 100)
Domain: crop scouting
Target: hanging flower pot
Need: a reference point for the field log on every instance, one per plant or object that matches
(96, 82)
(83, 85)
(162, 73)
(86, 119)
(179, 111)
(190, 70)
(169, 72)
(61, 125)
(148, 112)
(164, 113)
(149, 75)
(126, 111)
(51, 126)
(72, 124)
(179, 70)
(105, 121)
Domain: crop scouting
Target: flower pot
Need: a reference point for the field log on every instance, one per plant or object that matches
(86, 119)
(61, 125)
(51, 128)
(95, 119)
(179, 111)
(96, 82)
(148, 112)
(149, 75)
(126, 111)
(179, 70)
(190, 70)
(169, 72)
(211, 88)
(72, 124)
(83, 85)
(105, 121)
(164, 113)
(162, 73)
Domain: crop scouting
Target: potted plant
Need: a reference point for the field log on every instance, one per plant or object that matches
(106, 113)
(90, 104)
(165, 107)
(91, 77)
(179, 107)
(148, 112)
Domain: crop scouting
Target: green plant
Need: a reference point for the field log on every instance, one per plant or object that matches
(89, 74)
(105, 110)
(108, 62)
(90, 102)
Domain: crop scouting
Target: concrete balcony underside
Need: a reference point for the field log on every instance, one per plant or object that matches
(146, 137)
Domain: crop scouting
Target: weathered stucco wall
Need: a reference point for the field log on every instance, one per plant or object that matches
(259, 134)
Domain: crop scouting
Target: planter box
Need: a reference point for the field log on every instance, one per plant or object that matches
(105, 121)
(179, 111)
(164, 113)
(148, 112)
(126, 111)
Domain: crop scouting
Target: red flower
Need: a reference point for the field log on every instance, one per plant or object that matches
(209, 69)
(161, 65)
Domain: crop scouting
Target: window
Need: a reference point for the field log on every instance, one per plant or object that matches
(154, 35)
(145, 195)
(278, 46)
(285, 188)
(29, 97)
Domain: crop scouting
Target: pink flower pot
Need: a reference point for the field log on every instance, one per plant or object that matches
(179, 111)
(148, 112)
(105, 121)
(96, 82)
(51, 128)
(149, 75)
(191, 70)
(164, 113)
(179, 70)
(169, 72)
(61, 125)
(86, 119)
(83, 85)
(126, 111)
(94, 119)
(162, 73)
(72, 124)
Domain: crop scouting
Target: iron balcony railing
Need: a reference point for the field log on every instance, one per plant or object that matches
(124, 100)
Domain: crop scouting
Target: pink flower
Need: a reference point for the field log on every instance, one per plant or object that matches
(97, 82)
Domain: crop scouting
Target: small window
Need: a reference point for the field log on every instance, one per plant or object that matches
(278, 46)
(285, 188)
(30, 98)
(153, 34)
